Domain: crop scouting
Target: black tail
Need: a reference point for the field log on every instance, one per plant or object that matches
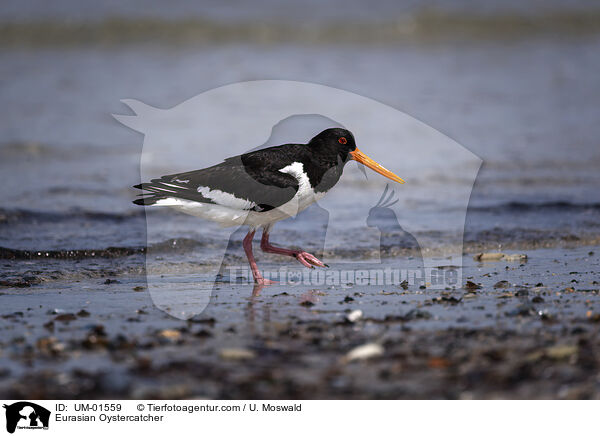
(148, 201)
(160, 189)
(147, 198)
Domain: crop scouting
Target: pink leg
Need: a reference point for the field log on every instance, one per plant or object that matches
(258, 278)
(306, 259)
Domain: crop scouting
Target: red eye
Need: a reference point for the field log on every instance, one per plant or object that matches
(342, 140)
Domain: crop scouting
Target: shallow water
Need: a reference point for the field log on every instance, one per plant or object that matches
(527, 108)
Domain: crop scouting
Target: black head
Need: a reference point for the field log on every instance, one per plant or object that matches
(334, 142)
(336, 146)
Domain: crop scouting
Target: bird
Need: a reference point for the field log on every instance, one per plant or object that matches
(259, 188)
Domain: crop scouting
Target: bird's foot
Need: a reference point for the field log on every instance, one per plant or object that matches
(308, 260)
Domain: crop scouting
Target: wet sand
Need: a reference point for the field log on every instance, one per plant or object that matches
(515, 330)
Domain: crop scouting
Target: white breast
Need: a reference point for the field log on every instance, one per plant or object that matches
(305, 190)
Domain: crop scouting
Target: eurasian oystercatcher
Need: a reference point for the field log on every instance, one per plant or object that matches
(261, 187)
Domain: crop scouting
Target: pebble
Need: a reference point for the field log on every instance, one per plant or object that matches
(560, 352)
(545, 315)
(515, 257)
(490, 257)
(525, 309)
(447, 299)
(50, 345)
(170, 334)
(471, 286)
(364, 352)
(354, 316)
(236, 354)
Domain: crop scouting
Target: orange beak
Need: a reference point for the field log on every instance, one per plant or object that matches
(359, 156)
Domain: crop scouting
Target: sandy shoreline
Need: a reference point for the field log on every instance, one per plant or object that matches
(530, 331)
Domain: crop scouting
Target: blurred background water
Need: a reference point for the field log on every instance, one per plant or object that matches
(517, 83)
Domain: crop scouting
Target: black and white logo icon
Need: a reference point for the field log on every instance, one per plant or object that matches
(26, 415)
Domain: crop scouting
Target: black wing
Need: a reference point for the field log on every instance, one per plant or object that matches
(248, 182)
